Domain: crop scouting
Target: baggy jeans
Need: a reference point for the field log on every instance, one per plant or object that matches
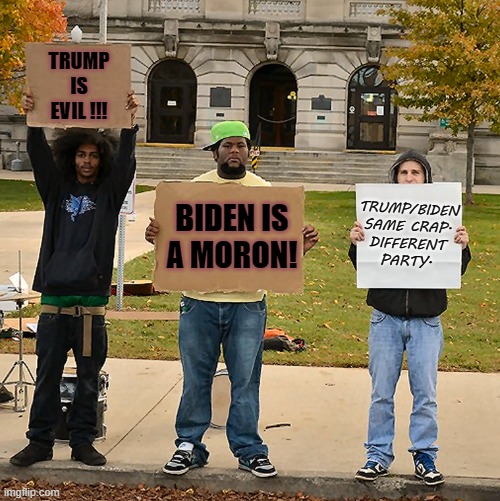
(203, 327)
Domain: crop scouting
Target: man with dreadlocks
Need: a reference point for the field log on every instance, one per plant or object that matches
(82, 182)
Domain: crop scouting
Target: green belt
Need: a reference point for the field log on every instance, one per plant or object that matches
(77, 311)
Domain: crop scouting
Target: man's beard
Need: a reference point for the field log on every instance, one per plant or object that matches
(232, 172)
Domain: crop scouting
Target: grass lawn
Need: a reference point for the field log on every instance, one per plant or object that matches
(331, 314)
(19, 196)
(16, 195)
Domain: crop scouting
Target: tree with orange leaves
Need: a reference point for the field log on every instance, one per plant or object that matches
(23, 21)
(450, 66)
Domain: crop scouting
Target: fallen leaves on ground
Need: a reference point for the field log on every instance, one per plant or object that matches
(69, 491)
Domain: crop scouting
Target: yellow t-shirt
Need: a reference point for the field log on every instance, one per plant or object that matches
(250, 179)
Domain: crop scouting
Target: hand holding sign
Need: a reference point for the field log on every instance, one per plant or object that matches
(357, 233)
(311, 237)
(132, 103)
(151, 230)
(461, 237)
(27, 101)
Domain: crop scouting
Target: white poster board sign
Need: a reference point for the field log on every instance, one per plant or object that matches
(128, 205)
(409, 230)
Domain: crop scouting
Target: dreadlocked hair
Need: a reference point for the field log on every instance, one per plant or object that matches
(67, 141)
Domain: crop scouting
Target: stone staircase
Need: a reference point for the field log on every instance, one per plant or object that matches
(169, 163)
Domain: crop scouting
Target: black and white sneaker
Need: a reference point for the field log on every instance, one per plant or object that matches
(426, 470)
(258, 465)
(182, 461)
(371, 471)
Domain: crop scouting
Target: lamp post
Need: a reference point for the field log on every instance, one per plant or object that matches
(103, 21)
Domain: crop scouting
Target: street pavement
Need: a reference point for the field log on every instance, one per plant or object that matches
(313, 419)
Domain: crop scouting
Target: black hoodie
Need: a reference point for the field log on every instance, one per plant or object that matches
(78, 241)
(410, 302)
(410, 155)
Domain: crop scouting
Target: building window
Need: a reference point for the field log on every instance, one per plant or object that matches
(182, 6)
(371, 114)
(370, 9)
(275, 7)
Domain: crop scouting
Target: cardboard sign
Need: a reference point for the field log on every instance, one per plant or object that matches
(227, 237)
(78, 85)
(409, 231)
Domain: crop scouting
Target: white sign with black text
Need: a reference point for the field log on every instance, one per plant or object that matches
(409, 230)
(129, 201)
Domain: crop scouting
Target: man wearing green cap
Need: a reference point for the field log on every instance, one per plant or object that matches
(234, 320)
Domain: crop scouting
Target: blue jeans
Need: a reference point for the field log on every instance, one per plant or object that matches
(389, 338)
(56, 335)
(203, 327)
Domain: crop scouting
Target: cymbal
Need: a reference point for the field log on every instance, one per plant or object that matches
(19, 296)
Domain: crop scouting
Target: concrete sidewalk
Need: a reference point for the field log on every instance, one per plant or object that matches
(313, 419)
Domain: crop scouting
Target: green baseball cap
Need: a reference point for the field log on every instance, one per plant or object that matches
(228, 128)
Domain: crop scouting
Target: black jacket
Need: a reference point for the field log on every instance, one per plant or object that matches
(410, 302)
(78, 241)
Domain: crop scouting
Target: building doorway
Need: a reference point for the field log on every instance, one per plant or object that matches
(172, 103)
(273, 105)
(371, 113)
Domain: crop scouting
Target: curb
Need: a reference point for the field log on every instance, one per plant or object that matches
(332, 486)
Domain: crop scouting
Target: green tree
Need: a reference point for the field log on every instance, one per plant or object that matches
(450, 67)
(23, 21)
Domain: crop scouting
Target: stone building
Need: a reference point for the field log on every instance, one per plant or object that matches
(303, 73)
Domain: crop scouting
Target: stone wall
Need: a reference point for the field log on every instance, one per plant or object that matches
(322, 42)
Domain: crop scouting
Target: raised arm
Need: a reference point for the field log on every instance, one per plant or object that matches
(39, 152)
(124, 163)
